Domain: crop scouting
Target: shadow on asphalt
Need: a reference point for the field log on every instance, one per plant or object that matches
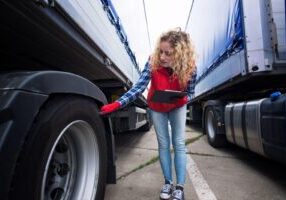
(129, 137)
(267, 167)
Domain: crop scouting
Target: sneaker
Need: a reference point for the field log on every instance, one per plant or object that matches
(166, 191)
(178, 194)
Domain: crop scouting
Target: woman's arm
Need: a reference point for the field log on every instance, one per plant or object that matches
(130, 95)
(138, 88)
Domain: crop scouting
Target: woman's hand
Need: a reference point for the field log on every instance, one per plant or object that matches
(108, 108)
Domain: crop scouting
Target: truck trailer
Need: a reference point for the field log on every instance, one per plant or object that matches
(241, 67)
(61, 60)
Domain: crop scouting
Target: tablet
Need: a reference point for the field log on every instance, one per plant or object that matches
(167, 96)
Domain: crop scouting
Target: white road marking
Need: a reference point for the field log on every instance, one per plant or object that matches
(201, 186)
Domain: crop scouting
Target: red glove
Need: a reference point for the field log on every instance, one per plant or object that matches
(108, 108)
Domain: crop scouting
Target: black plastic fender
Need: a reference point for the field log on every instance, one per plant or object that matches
(49, 82)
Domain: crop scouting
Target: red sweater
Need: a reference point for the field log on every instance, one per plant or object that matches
(161, 80)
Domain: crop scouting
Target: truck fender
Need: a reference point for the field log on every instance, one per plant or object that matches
(51, 82)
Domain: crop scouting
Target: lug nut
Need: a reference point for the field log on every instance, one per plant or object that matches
(63, 169)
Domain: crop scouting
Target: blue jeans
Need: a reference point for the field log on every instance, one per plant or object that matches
(177, 118)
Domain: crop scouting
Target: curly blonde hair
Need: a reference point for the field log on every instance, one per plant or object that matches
(183, 56)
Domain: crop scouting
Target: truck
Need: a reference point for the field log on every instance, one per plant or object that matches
(61, 60)
(241, 73)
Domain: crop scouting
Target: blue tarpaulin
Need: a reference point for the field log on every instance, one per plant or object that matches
(115, 20)
(217, 32)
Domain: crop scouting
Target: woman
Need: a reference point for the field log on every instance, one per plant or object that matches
(171, 67)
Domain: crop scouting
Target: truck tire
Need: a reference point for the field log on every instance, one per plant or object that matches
(65, 155)
(214, 126)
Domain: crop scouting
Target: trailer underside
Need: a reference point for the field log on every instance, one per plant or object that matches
(37, 38)
(252, 86)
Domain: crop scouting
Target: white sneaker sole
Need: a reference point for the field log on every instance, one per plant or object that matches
(165, 196)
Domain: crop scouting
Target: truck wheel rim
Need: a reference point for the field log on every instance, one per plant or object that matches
(72, 168)
(210, 125)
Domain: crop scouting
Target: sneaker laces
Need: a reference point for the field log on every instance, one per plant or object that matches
(166, 188)
(177, 194)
